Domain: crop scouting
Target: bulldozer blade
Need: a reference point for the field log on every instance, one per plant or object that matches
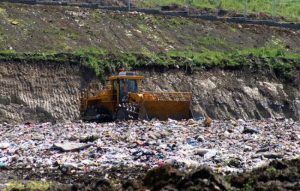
(164, 110)
(163, 106)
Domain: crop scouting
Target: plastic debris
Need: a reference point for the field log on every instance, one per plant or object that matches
(4, 145)
(223, 146)
(70, 146)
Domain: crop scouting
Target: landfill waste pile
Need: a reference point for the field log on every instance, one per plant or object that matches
(226, 147)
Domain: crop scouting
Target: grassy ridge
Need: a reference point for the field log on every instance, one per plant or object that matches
(280, 61)
(289, 9)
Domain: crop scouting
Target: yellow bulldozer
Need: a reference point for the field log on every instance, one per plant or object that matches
(123, 99)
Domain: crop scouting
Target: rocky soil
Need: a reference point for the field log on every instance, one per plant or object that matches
(125, 151)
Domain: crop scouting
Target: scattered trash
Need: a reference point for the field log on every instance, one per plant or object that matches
(4, 145)
(183, 144)
(250, 130)
(272, 155)
(207, 122)
(70, 146)
(88, 138)
(3, 165)
(70, 165)
(13, 22)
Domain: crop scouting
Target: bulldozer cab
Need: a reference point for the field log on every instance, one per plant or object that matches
(126, 86)
(124, 83)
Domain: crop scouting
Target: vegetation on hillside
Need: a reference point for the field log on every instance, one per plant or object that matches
(279, 61)
(28, 28)
(288, 9)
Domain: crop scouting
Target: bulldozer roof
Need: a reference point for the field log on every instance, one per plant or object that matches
(126, 75)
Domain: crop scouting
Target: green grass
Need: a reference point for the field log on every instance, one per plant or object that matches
(289, 9)
(279, 61)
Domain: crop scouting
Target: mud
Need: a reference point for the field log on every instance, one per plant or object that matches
(278, 175)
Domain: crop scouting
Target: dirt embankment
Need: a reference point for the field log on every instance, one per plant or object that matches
(40, 91)
(45, 91)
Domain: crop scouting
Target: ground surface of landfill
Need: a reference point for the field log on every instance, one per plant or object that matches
(232, 146)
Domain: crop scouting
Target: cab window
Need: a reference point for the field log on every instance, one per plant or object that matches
(127, 86)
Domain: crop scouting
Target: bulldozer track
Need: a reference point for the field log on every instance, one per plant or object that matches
(95, 114)
(237, 20)
(131, 109)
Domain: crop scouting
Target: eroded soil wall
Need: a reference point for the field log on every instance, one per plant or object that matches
(49, 91)
(40, 91)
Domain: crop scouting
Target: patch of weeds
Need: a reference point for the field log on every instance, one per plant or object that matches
(32, 185)
(14, 186)
(73, 36)
(233, 163)
(177, 22)
(153, 20)
(54, 31)
(250, 183)
(275, 43)
(97, 15)
(8, 53)
(146, 52)
(211, 41)
(280, 61)
(3, 13)
(290, 10)
(232, 29)
(38, 185)
(143, 27)
(65, 46)
(95, 59)
(283, 69)
(271, 171)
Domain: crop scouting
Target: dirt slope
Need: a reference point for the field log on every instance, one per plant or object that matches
(41, 28)
(45, 91)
